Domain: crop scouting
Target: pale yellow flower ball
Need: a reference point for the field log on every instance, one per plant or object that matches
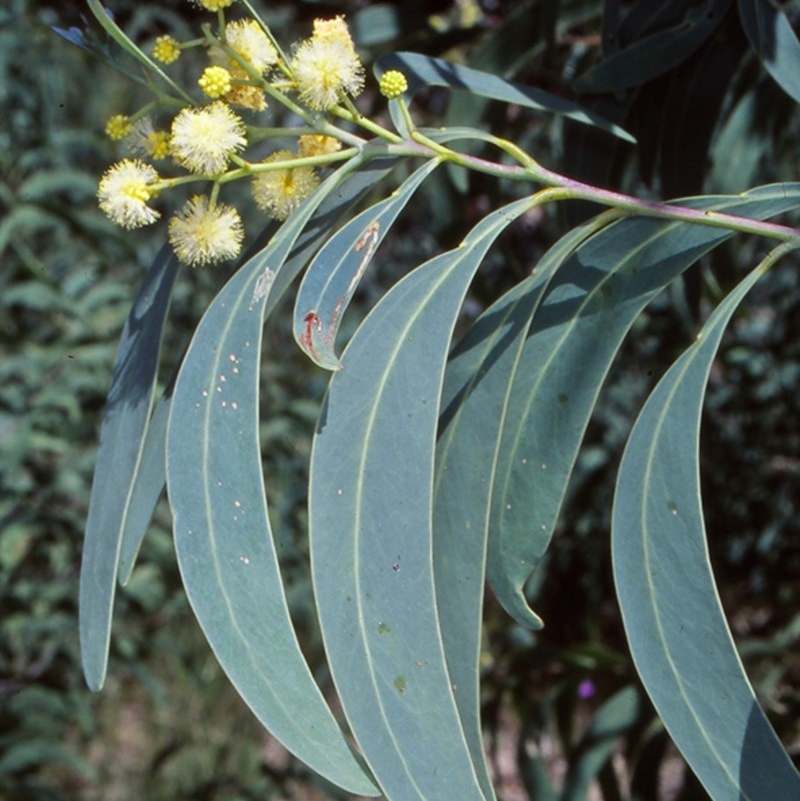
(280, 192)
(145, 141)
(201, 233)
(333, 30)
(124, 190)
(326, 67)
(203, 139)
(251, 43)
(213, 5)
(317, 145)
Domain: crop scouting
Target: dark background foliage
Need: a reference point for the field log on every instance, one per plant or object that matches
(167, 725)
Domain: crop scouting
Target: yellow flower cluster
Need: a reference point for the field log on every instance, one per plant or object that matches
(317, 145)
(166, 50)
(145, 141)
(204, 139)
(124, 191)
(208, 140)
(279, 192)
(326, 67)
(213, 5)
(215, 81)
(254, 52)
(202, 233)
(118, 127)
(392, 84)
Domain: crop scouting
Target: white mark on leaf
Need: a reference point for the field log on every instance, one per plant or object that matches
(262, 287)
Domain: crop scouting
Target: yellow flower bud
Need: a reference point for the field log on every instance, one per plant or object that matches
(204, 233)
(392, 84)
(215, 81)
(213, 5)
(118, 127)
(166, 50)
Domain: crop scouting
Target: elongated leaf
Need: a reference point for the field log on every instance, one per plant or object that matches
(150, 477)
(334, 274)
(772, 37)
(371, 530)
(473, 399)
(121, 440)
(147, 487)
(642, 19)
(576, 330)
(676, 628)
(691, 102)
(223, 539)
(656, 54)
(428, 71)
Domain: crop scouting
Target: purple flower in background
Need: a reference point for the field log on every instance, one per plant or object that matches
(586, 689)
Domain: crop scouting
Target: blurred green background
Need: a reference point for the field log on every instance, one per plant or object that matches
(167, 725)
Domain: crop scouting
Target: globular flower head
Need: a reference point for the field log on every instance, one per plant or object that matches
(326, 67)
(246, 95)
(202, 233)
(392, 84)
(203, 139)
(317, 145)
(280, 192)
(215, 81)
(166, 49)
(213, 5)
(124, 190)
(145, 141)
(251, 43)
(118, 127)
(333, 30)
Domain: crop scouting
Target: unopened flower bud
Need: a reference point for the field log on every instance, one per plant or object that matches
(392, 84)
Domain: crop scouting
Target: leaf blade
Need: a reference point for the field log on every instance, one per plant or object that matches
(333, 276)
(118, 457)
(371, 528)
(656, 53)
(223, 537)
(773, 38)
(423, 70)
(576, 330)
(676, 628)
